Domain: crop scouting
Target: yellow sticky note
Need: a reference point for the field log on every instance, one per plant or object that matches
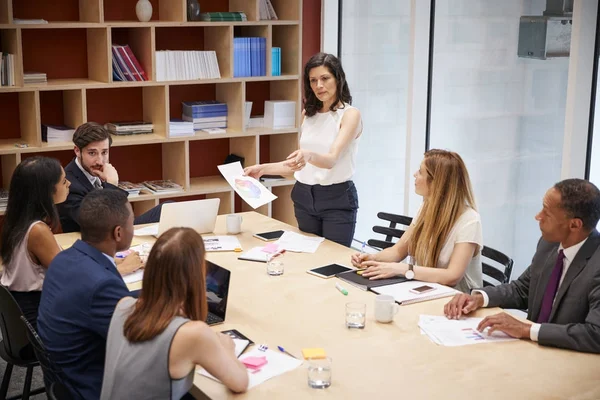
(313, 353)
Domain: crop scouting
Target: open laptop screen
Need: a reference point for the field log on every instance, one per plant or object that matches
(217, 290)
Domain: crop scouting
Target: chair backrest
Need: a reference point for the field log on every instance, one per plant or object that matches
(51, 371)
(14, 332)
(497, 266)
(390, 231)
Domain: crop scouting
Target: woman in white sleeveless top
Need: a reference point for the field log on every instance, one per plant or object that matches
(28, 244)
(163, 333)
(324, 196)
(445, 236)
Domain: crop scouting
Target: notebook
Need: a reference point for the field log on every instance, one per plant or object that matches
(365, 283)
(403, 296)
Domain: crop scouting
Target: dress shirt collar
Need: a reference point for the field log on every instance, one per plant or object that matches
(90, 177)
(571, 252)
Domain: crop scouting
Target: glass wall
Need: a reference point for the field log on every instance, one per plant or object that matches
(375, 55)
(595, 152)
(503, 114)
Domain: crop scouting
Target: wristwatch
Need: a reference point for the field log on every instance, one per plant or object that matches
(410, 274)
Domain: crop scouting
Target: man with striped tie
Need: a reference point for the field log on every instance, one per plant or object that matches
(561, 287)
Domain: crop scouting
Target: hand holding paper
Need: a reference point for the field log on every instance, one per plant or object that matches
(249, 189)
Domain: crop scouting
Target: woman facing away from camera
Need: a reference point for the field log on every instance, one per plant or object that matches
(444, 238)
(325, 198)
(163, 333)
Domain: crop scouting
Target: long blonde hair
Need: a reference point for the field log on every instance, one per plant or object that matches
(449, 192)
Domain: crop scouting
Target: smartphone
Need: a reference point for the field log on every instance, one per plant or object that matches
(329, 271)
(269, 236)
(422, 289)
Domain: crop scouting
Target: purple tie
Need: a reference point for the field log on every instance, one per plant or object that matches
(551, 289)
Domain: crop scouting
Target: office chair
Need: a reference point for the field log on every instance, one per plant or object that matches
(390, 231)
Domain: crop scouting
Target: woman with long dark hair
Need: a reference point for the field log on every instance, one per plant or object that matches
(163, 333)
(324, 196)
(28, 244)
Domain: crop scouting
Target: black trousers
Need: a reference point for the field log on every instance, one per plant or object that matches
(327, 211)
(29, 303)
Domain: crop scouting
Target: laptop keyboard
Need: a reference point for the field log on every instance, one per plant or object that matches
(212, 319)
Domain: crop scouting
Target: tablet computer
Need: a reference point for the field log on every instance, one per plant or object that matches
(269, 236)
(329, 271)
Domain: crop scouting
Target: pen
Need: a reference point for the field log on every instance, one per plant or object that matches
(362, 249)
(341, 289)
(284, 351)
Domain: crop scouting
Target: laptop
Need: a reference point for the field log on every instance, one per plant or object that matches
(200, 215)
(217, 291)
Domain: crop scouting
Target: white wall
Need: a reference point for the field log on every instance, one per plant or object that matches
(375, 46)
(503, 114)
(595, 164)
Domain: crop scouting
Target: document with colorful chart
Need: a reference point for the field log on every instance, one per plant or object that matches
(449, 332)
(249, 189)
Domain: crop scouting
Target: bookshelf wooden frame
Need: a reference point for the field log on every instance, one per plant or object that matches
(85, 91)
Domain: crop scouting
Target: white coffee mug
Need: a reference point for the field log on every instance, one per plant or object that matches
(385, 308)
(234, 224)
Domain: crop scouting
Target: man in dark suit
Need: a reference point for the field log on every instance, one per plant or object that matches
(89, 170)
(81, 289)
(561, 287)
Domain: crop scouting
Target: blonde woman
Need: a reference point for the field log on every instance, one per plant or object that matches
(444, 238)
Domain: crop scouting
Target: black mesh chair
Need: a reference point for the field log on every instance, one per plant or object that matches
(497, 267)
(391, 231)
(15, 347)
(53, 375)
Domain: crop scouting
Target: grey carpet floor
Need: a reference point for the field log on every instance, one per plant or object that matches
(18, 379)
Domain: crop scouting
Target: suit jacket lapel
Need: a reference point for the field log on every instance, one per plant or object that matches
(96, 255)
(540, 289)
(78, 173)
(577, 265)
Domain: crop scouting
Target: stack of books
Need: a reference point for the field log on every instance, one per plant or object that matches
(276, 61)
(162, 186)
(7, 69)
(223, 16)
(179, 128)
(125, 65)
(31, 21)
(205, 114)
(249, 56)
(182, 65)
(280, 114)
(129, 128)
(133, 189)
(3, 199)
(57, 133)
(266, 10)
(34, 77)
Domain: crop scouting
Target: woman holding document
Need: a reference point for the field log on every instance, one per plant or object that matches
(163, 333)
(444, 239)
(324, 196)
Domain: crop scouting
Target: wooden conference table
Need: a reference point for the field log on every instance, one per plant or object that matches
(383, 361)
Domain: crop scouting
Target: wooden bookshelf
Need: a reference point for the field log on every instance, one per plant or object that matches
(74, 50)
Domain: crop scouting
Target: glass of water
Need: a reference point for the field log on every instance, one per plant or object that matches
(356, 314)
(319, 372)
(275, 265)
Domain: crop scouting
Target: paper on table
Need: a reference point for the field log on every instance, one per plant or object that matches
(402, 294)
(292, 241)
(151, 230)
(447, 332)
(143, 250)
(221, 243)
(249, 189)
(255, 254)
(134, 277)
(277, 364)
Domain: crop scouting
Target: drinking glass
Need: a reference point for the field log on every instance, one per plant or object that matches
(319, 372)
(275, 265)
(356, 314)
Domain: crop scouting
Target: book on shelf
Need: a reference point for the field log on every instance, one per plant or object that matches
(271, 178)
(183, 65)
(205, 114)
(266, 10)
(34, 77)
(132, 189)
(247, 112)
(7, 69)
(129, 127)
(179, 128)
(126, 66)
(257, 121)
(29, 21)
(223, 16)
(280, 114)
(3, 198)
(249, 56)
(276, 61)
(57, 133)
(162, 186)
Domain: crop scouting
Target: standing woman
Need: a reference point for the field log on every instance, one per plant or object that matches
(28, 244)
(324, 196)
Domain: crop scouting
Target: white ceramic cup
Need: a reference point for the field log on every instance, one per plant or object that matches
(234, 224)
(385, 308)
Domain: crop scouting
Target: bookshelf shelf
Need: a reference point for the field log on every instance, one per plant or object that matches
(74, 50)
